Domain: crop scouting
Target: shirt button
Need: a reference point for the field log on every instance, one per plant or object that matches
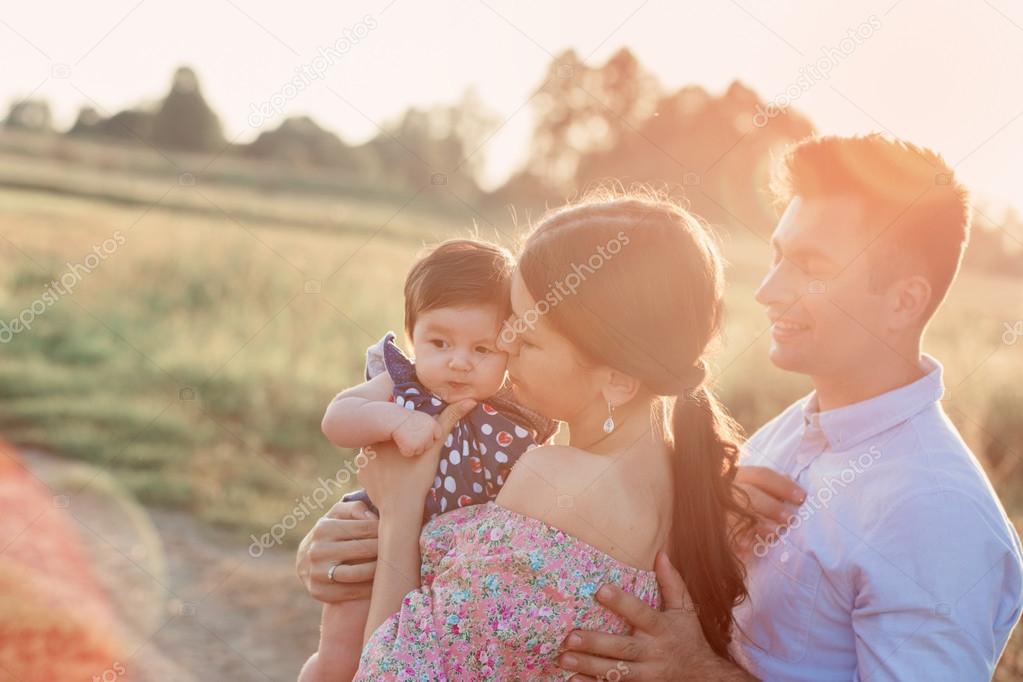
(784, 556)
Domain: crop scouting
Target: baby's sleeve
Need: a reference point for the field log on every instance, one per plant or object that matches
(375, 363)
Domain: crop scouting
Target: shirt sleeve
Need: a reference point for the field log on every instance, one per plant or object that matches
(938, 588)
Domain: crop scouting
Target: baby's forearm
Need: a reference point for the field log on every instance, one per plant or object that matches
(356, 422)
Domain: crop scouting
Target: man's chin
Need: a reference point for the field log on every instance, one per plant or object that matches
(788, 360)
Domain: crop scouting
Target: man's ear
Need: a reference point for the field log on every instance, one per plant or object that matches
(910, 299)
(619, 387)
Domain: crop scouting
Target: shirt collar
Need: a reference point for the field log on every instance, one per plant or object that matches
(846, 427)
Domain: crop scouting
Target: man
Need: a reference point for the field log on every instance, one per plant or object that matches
(901, 563)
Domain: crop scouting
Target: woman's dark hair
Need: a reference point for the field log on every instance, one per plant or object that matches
(649, 303)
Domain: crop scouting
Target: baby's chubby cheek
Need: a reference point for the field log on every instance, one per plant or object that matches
(429, 376)
(491, 375)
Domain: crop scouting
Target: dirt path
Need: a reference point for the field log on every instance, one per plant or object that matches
(195, 604)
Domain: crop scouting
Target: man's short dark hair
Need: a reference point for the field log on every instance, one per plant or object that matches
(918, 214)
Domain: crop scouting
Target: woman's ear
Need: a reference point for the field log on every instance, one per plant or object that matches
(619, 387)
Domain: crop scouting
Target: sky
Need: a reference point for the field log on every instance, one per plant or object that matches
(947, 74)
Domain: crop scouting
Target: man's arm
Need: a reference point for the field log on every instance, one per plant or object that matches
(665, 645)
(341, 629)
(938, 593)
(347, 533)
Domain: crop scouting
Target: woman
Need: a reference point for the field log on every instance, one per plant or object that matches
(615, 304)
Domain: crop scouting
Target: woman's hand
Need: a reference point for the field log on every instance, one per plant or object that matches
(401, 483)
(346, 536)
(398, 486)
(774, 498)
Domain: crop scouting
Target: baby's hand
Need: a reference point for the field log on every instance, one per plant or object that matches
(416, 434)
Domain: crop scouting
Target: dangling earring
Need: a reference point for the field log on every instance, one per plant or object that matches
(609, 423)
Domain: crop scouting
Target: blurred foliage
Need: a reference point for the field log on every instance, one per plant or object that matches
(592, 124)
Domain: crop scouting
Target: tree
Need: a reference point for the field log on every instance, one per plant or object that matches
(87, 122)
(443, 145)
(614, 122)
(30, 114)
(582, 110)
(301, 141)
(184, 121)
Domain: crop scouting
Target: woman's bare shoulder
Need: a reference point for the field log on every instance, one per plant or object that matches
(554, 483)
(545, 472)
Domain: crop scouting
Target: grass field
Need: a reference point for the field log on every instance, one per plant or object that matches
(194, 361)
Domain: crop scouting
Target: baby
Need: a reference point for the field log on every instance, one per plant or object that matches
(456, 299)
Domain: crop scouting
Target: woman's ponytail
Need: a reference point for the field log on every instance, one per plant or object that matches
(705, 441)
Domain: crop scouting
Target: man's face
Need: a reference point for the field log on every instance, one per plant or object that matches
(826, 320)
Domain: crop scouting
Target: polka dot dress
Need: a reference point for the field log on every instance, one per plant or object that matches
(479, 452)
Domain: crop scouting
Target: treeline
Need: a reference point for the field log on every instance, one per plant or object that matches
(407, 152)
(592, 124)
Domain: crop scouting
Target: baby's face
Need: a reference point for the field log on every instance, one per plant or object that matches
(456, 352)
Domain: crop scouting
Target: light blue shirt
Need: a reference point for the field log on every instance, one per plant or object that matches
(900, 565)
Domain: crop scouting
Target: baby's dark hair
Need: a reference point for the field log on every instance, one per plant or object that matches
(456, 273)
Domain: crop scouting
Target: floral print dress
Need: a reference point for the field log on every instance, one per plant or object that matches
(500, 592)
